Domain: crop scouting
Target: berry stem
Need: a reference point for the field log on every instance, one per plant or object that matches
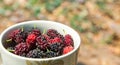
(8, 40)
(35, 26)
(44, 31)
(22, 29)
(48, 50)
(64, 31)
(10, 50)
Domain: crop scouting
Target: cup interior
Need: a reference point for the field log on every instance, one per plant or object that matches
(42, 25)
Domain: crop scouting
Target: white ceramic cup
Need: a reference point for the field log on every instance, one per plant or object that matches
(66, 59)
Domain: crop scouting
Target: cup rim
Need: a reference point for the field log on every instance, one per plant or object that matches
(2, 49)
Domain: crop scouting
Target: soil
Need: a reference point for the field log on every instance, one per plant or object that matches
(97, 22)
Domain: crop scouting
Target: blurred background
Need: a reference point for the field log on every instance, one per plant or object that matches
(97, 21)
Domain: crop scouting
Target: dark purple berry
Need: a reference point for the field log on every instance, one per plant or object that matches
(36, 32)
(23, 54)
(24, 35)
(36, 53)
(50, 54)
(19, 38)
(56, 47)
(52, 33)
(13, 34)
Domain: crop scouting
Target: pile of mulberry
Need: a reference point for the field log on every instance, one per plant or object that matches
(35, 44)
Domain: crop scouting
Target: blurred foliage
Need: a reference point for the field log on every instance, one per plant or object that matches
(103, 7)
(83, 15)
(36, 11)
(51, 5)
(101, 4)
(2, 11)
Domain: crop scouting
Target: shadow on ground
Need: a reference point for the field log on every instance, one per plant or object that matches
(80, 63)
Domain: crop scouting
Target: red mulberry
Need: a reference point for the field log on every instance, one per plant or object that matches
(21, 48)
(42, 42)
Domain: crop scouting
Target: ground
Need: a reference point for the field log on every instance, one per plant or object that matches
(97, 22)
